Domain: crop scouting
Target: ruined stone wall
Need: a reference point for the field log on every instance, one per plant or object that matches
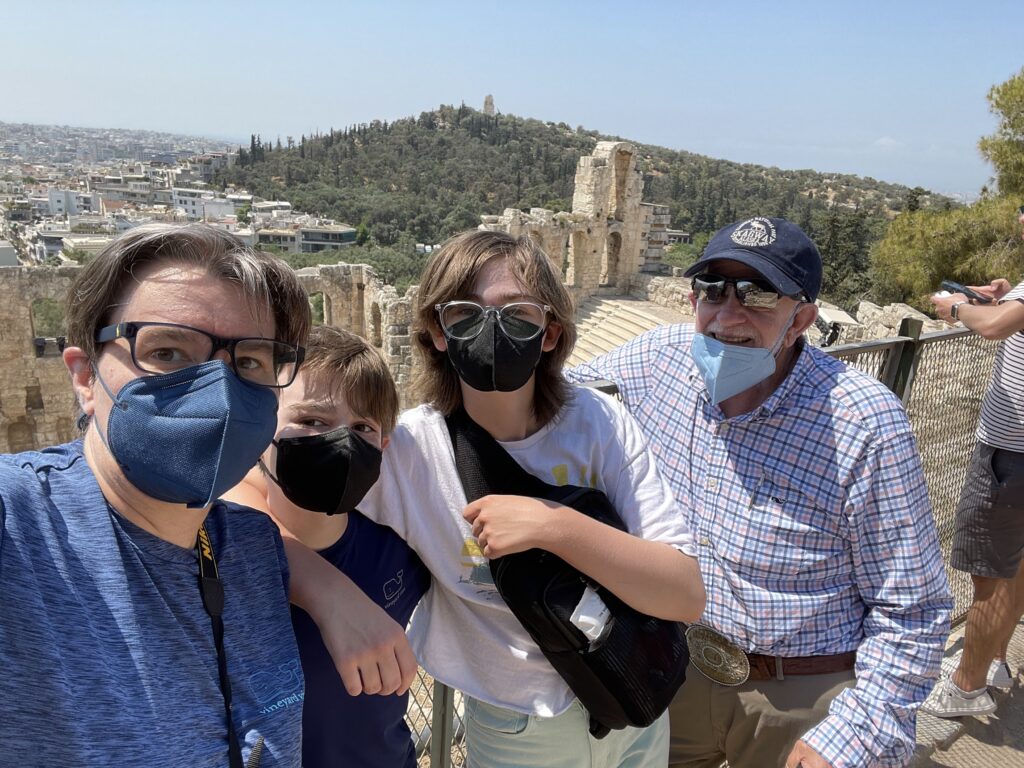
(606, 238)
(356, 299)
(37, 404)
(671, 292)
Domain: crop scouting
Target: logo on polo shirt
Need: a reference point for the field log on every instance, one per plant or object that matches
(757, 232)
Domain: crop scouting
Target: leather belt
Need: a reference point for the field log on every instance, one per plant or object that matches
(781, 667)
(722, 661)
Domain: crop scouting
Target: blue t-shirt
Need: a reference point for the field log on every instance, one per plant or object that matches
(367, 731)
(107, 655)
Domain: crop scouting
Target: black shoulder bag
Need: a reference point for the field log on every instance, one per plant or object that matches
(629, 675)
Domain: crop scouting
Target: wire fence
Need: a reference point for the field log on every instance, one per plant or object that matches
(941, 378)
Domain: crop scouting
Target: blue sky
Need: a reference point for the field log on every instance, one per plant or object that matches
(884, 89)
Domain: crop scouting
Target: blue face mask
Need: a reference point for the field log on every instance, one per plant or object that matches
(728, 369)
(186, 437)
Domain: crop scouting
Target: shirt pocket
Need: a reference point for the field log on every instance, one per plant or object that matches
(785, 541)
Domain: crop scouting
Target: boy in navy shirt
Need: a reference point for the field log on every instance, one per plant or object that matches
(333, 423)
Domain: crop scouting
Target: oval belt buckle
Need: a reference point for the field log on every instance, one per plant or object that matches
(715, 657)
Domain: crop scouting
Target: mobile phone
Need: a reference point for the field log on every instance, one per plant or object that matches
(952, 287)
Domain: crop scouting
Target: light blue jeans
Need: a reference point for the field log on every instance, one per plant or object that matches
(504, 738)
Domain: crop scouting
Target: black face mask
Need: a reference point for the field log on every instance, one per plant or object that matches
(328, 473)
(493, 361)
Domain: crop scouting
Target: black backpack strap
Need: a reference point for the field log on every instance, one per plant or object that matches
(484, 466)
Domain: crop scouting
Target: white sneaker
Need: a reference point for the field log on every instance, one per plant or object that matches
(946, 700)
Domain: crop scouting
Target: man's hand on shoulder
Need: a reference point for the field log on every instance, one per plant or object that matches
(802, 756)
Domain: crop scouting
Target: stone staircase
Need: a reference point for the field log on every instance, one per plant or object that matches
(603, 323)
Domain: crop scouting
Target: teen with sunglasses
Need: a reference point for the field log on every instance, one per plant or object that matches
(801, 481)
(494, 327)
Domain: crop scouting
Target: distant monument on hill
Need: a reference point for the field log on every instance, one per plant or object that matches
(489, 105)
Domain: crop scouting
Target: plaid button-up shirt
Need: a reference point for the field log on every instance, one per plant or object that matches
(813, 524)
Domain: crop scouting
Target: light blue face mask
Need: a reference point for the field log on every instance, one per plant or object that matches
(728, 369)
(186, 437)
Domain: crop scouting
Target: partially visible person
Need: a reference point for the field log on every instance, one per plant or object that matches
(494, 327)
(988, 541)
(332, 424)
(801, 480)
(114, 651)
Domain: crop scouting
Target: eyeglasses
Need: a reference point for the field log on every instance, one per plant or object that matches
(168, 347)
(750, 292)
(520, 320)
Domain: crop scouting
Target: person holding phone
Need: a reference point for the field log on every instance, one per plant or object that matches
(988, 541)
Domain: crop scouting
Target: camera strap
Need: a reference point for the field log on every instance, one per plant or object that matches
(212, 590)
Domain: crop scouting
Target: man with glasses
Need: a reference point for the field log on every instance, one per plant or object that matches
(144, 621)
(827, 603)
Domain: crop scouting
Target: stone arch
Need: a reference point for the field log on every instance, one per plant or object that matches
(20, 436)
(576, 246)
(328, 309)
(610, 259)
(617, 189)
(376, 335)
(34, 397)
(316, 307)
(48, 318)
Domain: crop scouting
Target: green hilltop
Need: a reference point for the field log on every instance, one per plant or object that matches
(422, 179)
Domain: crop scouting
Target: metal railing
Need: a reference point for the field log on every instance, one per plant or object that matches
(941, 378)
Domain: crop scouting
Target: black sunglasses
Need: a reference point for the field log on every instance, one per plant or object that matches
(750, 291)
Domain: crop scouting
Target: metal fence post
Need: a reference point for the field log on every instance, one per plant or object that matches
(902, 372)
(441, 727)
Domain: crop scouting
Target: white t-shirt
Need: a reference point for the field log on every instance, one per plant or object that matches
(463, 634)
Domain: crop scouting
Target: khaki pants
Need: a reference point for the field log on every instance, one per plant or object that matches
(753, 725)
(502, 738)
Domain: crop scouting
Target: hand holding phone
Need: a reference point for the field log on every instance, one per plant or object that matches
(949, 285)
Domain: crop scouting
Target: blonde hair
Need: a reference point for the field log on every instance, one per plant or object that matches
(338, 360)
(451, 274)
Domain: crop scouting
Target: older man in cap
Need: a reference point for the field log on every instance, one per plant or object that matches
(827, 600)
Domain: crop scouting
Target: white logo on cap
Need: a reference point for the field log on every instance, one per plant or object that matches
(754, 233)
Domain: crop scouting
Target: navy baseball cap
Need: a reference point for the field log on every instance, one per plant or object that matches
(778, 249)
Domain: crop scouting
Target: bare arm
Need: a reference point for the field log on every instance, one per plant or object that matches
(652, 577)
(369, 648)
(252, 491)
(991, 321)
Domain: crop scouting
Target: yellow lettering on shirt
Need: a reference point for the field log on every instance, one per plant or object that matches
(561, 474)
